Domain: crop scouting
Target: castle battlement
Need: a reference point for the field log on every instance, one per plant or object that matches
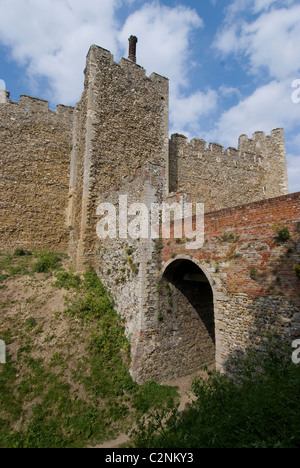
(120, 124)
(97, 57)
(253, 171)
(246, 147)
(31, 105)
(260, 139)
(56, 167)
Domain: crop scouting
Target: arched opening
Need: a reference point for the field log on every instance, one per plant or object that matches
(187, 306)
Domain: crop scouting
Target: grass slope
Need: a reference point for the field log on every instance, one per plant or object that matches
(66, 382)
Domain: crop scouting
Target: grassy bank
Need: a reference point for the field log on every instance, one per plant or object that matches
(66, 382)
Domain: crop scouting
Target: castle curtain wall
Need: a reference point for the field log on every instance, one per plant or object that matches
(35, 146)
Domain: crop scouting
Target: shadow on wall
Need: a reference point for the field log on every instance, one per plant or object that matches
(191, 283)
(274, 316)
(187, 326)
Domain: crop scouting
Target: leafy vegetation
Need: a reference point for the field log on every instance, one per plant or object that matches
(65, 401)
(231, 238)
(260, 409)
(47, 262)
(253, 273)
(297, 271)
(283, 233)
(22, 262)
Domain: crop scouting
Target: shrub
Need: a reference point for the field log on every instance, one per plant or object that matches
(232, 238)
(297, 271)
(30, 323)
(283, 232)
(259, 410)
(152, 395)
(253, 273)
(21, 253)
(67, 280)
(47, 262)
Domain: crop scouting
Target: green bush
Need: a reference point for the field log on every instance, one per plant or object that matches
(283, 232)
(67, 280)
(21, 253)
(297, 271)
(152, 395)
(38, 405)
(253, 273)
(260, 409)
(47, 262)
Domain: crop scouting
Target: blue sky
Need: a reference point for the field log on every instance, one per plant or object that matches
(232, 64)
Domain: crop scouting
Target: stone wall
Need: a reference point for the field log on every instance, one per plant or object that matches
(255, 290)
(125, 118)
(256, 170)
(34, 173)
(219, 299)
(186, 320)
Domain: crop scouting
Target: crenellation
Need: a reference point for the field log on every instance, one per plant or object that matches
(247, 145)
(259, 136)
(242, 139)
(232, 152)
(61, 109)
(177, 137)
(4, 96)
(155, 77)
(56, 167)
(260, 162)
(278, 133)
(101, 52)
(32, 104)
(199, 144)
(132, 68)
(217, 149)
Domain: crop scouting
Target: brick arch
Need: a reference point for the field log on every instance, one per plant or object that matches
(197, 263)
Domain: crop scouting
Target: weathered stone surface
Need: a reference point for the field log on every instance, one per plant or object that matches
(256, 171)
(57, 167)
(34, 174)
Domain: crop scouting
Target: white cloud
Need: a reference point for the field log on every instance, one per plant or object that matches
(164, 47)
(2, 84)
(228, 91)
(163, 34)
(237, 7)
(267, 34)
(186, 111)
(260, 5)
(271, 41)
(51, 38)
(269, 107)
(294, 172)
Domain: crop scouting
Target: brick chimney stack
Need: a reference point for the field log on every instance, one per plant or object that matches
(132, 48)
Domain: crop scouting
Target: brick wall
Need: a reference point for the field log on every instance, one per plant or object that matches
(255, 291)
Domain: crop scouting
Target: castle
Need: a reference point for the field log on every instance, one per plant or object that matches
(182, 308)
